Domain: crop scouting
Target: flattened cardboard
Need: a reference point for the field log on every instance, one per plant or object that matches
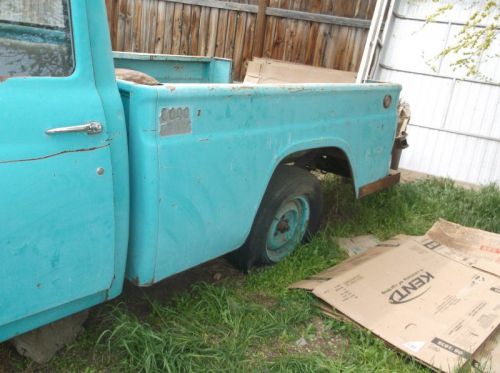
(357, 245)
(429, 306)
(314, 281)
(469, 246)
(265, 71)
(488, 356)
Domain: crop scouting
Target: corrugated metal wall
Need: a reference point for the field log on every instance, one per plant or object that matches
(455, 125)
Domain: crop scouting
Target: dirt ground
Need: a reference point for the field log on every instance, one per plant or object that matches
(138, 299)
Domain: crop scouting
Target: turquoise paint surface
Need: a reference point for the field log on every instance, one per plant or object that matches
(177, 69)
(195, 195)
(64, 229)
(194, 188)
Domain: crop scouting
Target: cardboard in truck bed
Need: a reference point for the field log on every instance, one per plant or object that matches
(261, 71)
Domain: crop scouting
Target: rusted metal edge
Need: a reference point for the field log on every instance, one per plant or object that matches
(381, 184)
(137, 282)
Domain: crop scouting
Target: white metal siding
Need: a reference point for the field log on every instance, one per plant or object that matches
(455, 125)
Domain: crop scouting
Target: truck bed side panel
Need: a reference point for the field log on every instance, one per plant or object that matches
(218, 145)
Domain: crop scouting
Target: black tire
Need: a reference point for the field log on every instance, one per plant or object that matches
(291, 188)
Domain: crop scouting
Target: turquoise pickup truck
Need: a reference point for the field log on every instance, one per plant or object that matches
(168, 166)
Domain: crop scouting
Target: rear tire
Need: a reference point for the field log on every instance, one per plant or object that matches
(290, 214)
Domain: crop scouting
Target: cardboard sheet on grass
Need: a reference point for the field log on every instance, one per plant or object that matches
(424, 295)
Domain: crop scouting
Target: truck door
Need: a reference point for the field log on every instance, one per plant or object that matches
(56, 186)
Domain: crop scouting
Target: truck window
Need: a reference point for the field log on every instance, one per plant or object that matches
(35, 38)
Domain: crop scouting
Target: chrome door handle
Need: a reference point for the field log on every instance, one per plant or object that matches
(92, 128)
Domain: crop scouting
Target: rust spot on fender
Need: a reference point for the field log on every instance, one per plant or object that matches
(137, 282)
(3, 78)
(384, 183)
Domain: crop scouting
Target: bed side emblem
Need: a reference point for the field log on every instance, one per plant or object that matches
(175, 121)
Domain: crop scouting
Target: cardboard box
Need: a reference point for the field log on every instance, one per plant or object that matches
(420, 295)
(262, 71)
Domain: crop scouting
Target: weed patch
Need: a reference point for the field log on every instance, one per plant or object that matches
(255, 323)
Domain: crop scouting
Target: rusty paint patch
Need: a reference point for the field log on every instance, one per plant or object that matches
(387, 101)
(136, 77)
(243, 88)
(296, 89)
(3, 78)
(381, 184)
(137, 282)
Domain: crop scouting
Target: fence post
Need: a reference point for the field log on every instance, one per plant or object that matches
(260, 29)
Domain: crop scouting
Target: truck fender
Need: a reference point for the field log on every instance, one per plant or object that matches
(306, 147)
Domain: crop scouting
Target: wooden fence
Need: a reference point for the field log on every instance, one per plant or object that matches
(328, 33)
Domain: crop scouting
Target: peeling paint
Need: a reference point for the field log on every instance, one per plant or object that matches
(53, 155)
(296, 89)
(242, 88)
(137, 282)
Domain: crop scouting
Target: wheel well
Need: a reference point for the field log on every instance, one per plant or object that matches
(329, 159)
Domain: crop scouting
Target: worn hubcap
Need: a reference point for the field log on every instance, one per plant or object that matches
(288, 228)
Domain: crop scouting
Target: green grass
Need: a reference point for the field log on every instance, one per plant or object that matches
(253, 324)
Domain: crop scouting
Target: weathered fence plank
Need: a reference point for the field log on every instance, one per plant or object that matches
(328, 33)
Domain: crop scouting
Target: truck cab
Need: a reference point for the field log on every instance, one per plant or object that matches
(102, 180)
